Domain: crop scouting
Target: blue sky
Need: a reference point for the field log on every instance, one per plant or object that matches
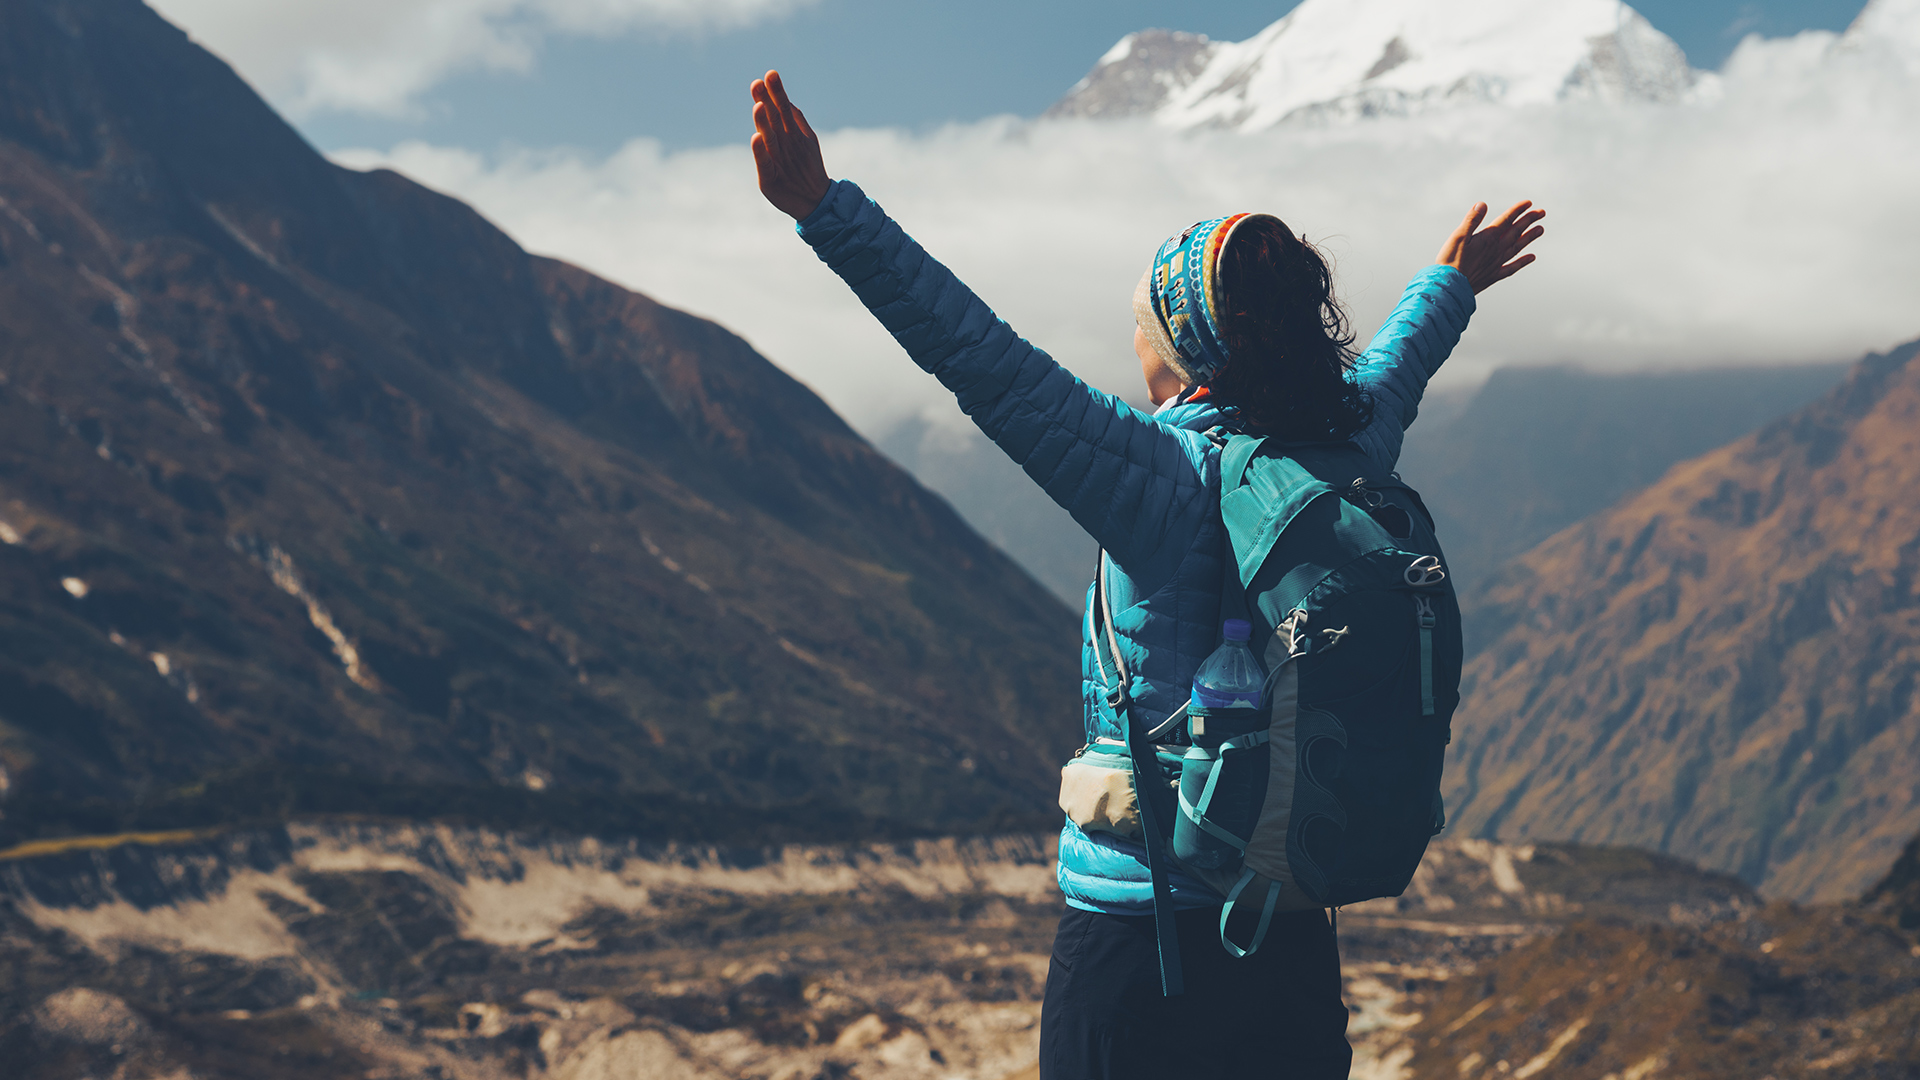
(880, 63)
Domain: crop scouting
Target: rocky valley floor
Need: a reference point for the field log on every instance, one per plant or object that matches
(338, 950)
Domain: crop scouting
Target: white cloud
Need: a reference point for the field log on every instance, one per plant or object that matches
(1774, 222)
(378, 56)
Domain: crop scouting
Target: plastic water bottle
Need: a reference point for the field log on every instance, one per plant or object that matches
(1228, 704)
(1227, 688)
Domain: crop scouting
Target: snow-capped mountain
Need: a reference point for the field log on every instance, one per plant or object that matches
(1893, 19)
(1348, 59)
(1892, 26)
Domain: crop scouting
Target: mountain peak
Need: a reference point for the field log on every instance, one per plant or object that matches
(1892, 25)
(1137, 74)
(1892, 18)
(1352, 59)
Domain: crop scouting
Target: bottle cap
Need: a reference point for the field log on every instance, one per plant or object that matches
(1237, 629)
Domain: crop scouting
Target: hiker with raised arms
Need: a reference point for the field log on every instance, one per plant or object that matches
(1206, 841)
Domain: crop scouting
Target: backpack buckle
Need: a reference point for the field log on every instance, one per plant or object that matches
(1293, 629)
(1425, 571)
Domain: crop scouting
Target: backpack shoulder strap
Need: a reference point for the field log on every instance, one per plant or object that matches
(1275, 490)
(1146, 779)
(1234, 458)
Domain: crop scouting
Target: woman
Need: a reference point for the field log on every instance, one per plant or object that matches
(1254, 341)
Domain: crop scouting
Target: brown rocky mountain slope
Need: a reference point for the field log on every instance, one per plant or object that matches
(1721, 667)
(1784, 991)
(318, 494)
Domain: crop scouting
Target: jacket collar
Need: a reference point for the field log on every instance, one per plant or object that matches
(1192, 415)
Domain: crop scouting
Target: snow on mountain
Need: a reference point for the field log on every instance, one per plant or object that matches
(1137, 75)
(1891, 25)
(1350, 59)
(1893, 19)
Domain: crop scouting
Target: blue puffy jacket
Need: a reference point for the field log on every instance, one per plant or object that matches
(1147, 488)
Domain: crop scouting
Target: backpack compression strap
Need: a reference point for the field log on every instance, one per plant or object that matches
(1266, 915)
(1146, 774)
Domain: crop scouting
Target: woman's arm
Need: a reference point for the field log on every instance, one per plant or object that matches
(1422, 331)
(1411, 345)
(1109, 465)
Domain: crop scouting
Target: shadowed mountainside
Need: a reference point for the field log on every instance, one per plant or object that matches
(318, 494)
(1721, 667)
(1537, 449)
(998, 498)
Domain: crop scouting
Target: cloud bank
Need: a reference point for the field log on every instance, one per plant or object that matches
(378, 56)
(1772, 220)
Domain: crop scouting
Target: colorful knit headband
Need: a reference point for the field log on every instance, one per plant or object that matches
(1179, 304)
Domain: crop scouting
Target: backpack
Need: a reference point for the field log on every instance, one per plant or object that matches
(1333, 800)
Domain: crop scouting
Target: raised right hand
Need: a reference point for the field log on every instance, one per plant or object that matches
(786, 152)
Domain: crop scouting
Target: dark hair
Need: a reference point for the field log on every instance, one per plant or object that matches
(1291, 346)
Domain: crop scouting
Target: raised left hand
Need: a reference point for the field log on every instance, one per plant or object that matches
(1487, 256)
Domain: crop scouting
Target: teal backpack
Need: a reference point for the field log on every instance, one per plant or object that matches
(1329, 794)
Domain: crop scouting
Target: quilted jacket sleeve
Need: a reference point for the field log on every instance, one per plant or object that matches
(1129, 481)
(1411, 345)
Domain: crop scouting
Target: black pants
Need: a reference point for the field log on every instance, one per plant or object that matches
(1277, 1013)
